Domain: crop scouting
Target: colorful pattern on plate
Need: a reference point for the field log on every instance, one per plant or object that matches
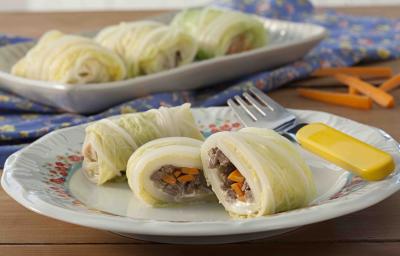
(58, 173)
(218, 126)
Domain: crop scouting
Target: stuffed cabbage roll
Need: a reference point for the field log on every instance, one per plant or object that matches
(221, 32)
(168, 171)
(149, 47)
(70, 59)
(256, 172)
(109, 143)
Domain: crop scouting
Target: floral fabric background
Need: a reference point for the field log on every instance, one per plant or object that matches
(351, 40)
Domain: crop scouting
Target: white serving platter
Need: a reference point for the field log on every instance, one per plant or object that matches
(288, 42)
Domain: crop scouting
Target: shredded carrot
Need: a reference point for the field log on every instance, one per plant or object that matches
(237, 188)
(236, 176)
(188, 170)
(364, 72)
(379, 96)
(169, 179)
(391, 84)
(177, 173)
(185, 178)
(342, 99)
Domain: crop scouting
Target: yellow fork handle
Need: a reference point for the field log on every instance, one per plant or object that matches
(345, 151)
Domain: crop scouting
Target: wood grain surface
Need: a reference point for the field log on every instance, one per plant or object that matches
(373, 231)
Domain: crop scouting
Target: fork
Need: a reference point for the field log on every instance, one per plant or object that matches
(256, 109)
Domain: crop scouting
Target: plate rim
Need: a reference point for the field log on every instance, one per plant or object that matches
(168, 228)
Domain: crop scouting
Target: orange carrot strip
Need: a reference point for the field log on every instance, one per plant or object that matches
(185, 178)
(188, 170)
(177, 173)
(342, 99)
(236, 176)
(237, 188)
(169, 179)
(391, 84)
(379, 96)
(352, 91)
(365, 72)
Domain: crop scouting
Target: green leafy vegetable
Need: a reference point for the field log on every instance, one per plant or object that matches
(110, 142)
(70, 59)
(277, 176)
(220, 32)
(149, 47)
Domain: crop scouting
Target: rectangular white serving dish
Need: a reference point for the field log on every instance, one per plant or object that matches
(288, 41)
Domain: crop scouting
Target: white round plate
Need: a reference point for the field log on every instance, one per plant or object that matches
(45, 177)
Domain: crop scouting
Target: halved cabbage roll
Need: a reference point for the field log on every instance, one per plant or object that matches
(221, 32)
(256, 172)
(109, 143)
(149, 47)
(70, 59)
(168, 171)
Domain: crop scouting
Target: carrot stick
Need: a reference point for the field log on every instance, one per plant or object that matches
(352, 90)
(237, 188)
(187, 170)
(169, 179)
(236, 176)
(342, 99)
(379, 96)
(391, 84)
(365, 72)
(177, 173)
(185, 178)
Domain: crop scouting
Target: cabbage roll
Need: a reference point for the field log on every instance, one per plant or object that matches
(109, 143)
(168, 171)
(70, 59)
(256, 172)
(221, 32)
(149, 47)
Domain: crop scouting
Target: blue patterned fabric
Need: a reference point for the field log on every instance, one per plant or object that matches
(351, 40)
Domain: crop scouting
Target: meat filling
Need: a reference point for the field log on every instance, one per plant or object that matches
(179, 181)
(89, 153)
(239, 44)
(178, 58)
(233, 181)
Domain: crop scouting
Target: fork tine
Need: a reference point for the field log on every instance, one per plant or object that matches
(256, 109)
(255, 103)
(273, 105)
(246, 108)
(240, 113)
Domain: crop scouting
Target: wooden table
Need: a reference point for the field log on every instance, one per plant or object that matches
(372, 231)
